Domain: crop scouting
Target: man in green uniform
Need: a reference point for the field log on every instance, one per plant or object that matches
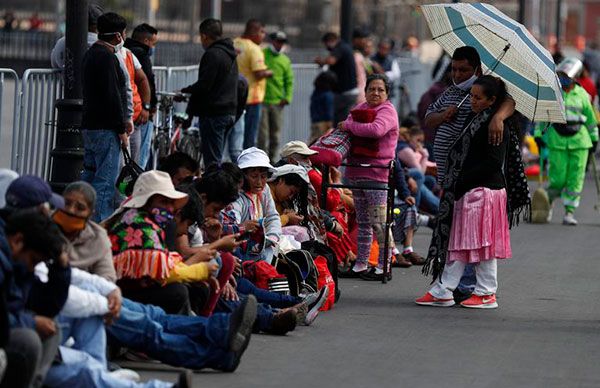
(568, 144)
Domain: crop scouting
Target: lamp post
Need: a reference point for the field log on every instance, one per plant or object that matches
(346, 21)
(67, 156)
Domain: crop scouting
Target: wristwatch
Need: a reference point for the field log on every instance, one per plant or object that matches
(146, 107)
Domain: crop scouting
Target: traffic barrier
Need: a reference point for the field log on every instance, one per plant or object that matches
(9, 87)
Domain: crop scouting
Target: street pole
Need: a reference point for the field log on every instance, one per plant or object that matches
(215, 9)
(346, 21)
(558, 21)
(67, 156)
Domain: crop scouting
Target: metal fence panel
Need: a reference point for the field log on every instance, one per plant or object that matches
(9, 111)
(34, 134)
(160, 77)
(296, 124)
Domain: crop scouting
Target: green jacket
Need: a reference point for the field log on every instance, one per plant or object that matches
(281, 85)
(577, 106)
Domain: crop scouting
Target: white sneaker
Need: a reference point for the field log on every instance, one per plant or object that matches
(126, 374)
(569, 219)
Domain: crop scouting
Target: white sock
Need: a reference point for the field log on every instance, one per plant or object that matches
(408, 249)
(359, 267)
(378, 271)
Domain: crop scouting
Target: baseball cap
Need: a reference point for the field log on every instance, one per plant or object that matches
(279, 36)
(296, 147)
(29, 191)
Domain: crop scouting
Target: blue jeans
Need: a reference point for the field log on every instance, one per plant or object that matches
(424, 196)
(264, 313)
(212, 132)
(235, 139)
(252, 122)
(88, 333)
(273, 299)
(468, 280)
(102, 150)
(180, 340)
(79, 369)
(140, 142)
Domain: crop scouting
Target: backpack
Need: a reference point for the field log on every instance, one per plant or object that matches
(316, 248)
(291, 271)
(260, 273)
(308, 270)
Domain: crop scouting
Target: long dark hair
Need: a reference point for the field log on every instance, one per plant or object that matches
(300, 201)
(493, 87)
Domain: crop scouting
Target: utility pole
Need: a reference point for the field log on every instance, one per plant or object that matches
(215, 9)
(558, 21)
(522, 12)
(346, 21)
(67, 156)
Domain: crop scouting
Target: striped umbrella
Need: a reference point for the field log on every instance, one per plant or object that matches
(507, 50)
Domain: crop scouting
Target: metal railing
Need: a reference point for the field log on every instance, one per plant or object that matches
(9, 85)
(34, 132)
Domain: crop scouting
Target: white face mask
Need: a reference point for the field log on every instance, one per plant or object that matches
(119, 45)
(466, 85)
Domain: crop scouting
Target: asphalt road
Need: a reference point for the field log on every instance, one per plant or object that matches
(546, 332)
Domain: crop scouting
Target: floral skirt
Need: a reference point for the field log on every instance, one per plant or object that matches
(480, 227)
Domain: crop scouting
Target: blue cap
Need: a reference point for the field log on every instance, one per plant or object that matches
(29, 191)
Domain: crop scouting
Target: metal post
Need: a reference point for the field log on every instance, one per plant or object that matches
(215, 9)
(558, 21)
(522, 12)
(67, 156)
(346, 21)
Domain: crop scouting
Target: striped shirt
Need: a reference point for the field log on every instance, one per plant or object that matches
(448, 132)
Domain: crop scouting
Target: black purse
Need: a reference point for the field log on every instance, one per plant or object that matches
(128, 175)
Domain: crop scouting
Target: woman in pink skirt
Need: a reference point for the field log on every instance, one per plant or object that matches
(485, 192)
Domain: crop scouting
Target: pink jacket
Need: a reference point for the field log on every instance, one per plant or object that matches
(385, 129)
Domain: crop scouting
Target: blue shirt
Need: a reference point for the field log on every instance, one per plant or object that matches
(321, 106)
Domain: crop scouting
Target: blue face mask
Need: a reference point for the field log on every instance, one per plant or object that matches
(151, 51)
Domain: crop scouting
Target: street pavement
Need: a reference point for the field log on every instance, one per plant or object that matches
(545, 333)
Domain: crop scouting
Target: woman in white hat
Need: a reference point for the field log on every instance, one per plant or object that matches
(137, 233)
(254, 212)
(289, 189)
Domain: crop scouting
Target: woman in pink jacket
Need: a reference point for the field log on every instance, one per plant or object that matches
(374, 142)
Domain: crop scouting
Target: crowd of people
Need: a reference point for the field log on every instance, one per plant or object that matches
(201, 254)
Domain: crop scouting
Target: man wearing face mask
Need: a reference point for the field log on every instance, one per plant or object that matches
(569, 143)
(142, 44)
(280, 89)
(105, 123)
(447, 117)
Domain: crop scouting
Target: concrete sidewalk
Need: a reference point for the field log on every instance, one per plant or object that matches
(546, 332)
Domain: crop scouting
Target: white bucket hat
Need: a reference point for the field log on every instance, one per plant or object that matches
(152, 183)
(254, 157)
(290, 169)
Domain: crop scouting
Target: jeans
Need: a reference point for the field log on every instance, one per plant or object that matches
(424, 196)
(235, 139)
(277, 300)
(264, 312)
(79, 369)
(252, 120)
(88, 333)
(212, 132)
(179, 340)
(28, 358)
(271, 122)
(140, 142)
(468, 280)
(174, 298)
(102, 150)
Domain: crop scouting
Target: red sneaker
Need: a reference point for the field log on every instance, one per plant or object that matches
(481, 302)
(430, 300)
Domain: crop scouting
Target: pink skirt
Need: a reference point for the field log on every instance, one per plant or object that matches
(480, 227)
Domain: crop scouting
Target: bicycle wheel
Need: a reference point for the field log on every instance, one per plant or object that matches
(161, 145)
(190, 145)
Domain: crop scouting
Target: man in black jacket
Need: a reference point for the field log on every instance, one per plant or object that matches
(105, 126)
(214, 95)
(142, 43)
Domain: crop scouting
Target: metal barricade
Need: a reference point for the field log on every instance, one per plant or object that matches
(161, 77)
(9, 111)
(34, 134)
(180, 76)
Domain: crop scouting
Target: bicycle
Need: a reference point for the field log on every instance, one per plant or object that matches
(169, 134)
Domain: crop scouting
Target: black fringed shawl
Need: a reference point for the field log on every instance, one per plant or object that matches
(517, 189)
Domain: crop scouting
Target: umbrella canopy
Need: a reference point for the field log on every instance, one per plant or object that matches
(507, 50)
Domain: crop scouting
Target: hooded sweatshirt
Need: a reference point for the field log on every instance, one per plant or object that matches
(215, 92)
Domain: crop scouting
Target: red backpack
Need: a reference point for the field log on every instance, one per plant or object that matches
(325, 280)
(260, 272)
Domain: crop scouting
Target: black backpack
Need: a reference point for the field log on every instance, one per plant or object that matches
(308, 269)
(316, 248)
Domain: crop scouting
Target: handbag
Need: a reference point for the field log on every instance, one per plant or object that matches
(128, 175)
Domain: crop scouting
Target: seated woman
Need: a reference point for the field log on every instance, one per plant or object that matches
(413, 155)
(289, 189)
(376, 146)
(254, 213)
(144, 264)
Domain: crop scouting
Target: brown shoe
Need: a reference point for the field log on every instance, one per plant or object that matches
(414, 258)
(401, 262)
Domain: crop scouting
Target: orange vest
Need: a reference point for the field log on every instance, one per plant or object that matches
(137, 99)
